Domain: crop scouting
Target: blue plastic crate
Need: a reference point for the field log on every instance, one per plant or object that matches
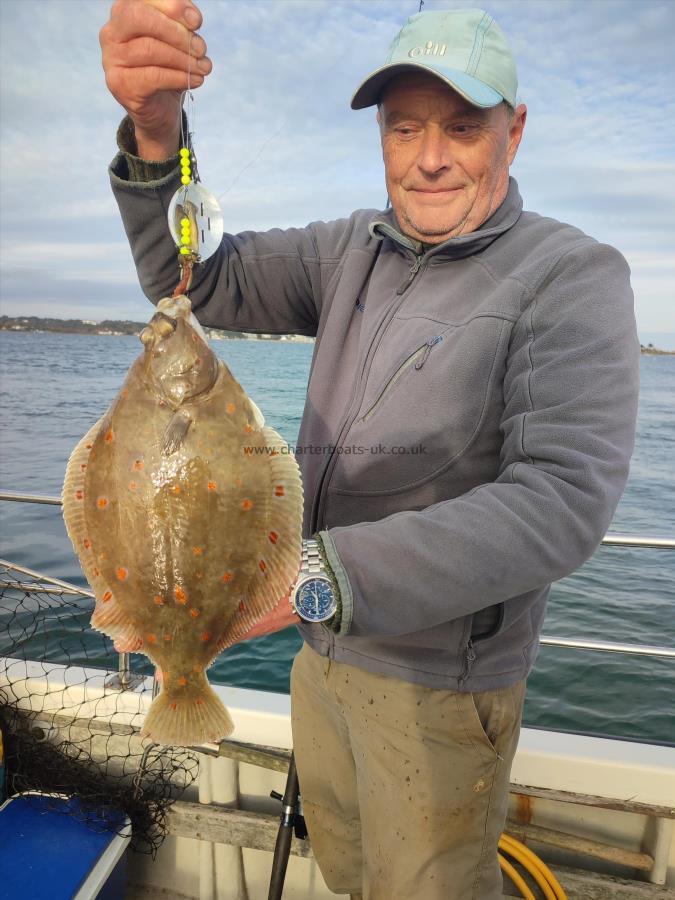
(47, 853)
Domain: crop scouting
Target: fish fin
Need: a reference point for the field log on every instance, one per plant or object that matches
(174, 433)
(258, 417)
(72, 499)
(282, 557)
(109, 618)
(187, 716)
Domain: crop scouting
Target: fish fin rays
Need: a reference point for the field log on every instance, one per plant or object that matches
(186, 717)
(109, 618)
(281, 556)
(72, 499)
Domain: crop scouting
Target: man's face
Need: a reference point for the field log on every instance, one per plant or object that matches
(446, 162)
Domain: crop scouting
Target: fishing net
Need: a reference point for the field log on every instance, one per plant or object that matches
(70, 725)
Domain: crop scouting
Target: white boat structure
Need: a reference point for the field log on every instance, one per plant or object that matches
(599, 811)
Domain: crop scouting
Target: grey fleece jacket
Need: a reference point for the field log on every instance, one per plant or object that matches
(469, 418)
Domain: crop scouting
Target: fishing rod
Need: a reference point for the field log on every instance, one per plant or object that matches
(292, 822)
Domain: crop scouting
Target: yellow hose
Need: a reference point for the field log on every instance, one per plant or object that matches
(516, 878)
(540, 872)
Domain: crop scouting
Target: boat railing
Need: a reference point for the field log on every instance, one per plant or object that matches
(126, 679)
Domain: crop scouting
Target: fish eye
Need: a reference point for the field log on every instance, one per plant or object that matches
(164, 325)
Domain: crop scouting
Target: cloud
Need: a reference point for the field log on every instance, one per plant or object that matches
(275, 135)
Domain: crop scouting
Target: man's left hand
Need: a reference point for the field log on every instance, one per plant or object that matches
(278, 618)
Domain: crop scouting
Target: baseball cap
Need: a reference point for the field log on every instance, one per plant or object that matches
(465, 48)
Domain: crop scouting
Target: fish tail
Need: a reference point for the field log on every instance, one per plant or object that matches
(187, 715)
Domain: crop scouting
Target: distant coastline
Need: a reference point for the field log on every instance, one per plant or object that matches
(651, 350)
(125, 327)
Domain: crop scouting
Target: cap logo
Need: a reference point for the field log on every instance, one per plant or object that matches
(429, 49)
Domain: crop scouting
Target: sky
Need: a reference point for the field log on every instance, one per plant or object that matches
(277, 141)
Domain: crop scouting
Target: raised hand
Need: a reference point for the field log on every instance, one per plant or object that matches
(145, 59)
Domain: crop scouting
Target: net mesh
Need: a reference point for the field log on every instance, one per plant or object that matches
(68, 726)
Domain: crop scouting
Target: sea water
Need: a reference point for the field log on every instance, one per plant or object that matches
(54, 386)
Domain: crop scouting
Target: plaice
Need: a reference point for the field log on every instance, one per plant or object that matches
(185, 511)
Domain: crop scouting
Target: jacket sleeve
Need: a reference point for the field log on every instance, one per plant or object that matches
(570, 395)
(256, 281)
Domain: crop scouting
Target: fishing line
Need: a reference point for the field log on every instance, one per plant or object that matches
(284, 123)
(194, 216)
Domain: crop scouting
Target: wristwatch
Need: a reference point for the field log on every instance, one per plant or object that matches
(313, 596)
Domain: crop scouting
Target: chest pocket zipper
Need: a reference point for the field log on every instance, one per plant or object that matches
(418, 357)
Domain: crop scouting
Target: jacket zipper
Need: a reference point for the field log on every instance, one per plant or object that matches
(414, 269)
(469, 660)
(422, 352)
(317, 512)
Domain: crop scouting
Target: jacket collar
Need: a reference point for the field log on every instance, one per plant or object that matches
(384, 225)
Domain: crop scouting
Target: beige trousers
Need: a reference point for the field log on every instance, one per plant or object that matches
(404, 788)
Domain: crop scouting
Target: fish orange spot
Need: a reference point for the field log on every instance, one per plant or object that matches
(161, 403)
(197, 551)
(176, 489)
(242, 606)
(229, 408)
(159, 601)
(199, 702)
(237, 481)
(88, 446)
(182, 681)
(273, 536)
(262, 565)
(86, 543)
(173, 705)
(212, 485)
(122, 573)
(79, 495)
(96, 572)
(107, 596)
(180, 595)
(246, 504)
(168, 637)
(109, 436)
(274, 452)
(279, 490)
(124, 393)
(138, 465)
(227, 576)
(206, 635)
(133, 485)
(83, 466)
(152, 639)
(102, 502)
(197, 669)
(194, 613)
(248, 428)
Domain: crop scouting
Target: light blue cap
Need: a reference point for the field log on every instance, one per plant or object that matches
(465, 48)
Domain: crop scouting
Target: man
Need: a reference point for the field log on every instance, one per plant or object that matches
(481, 362)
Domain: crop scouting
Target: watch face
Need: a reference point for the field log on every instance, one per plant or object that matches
(315, 600)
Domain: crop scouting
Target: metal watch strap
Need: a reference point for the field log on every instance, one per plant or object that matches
(312, 563)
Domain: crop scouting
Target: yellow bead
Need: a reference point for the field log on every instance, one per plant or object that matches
(184, 151)
(186, 230)
(184, 251)
(185, 239)
(185, 222)
(185, 179)
(186, 170)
